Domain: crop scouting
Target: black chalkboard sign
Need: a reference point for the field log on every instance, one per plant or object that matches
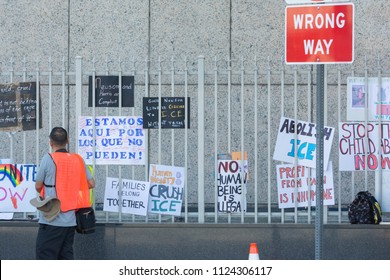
(18, 106)
(172, 112)
(107, 91)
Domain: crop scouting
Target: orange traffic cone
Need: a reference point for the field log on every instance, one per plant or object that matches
(253, 252)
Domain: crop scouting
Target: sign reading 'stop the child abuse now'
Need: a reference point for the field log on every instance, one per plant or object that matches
(318, 34)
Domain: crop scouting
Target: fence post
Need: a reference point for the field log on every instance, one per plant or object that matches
(201, 134)
(78, 86)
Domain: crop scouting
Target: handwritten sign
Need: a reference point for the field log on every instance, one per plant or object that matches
(364, 95)
(117, 140)
(107, 91)
(18, 106)
(166, 189)
(17, 187)
(360, 149)
(293, 186)
(131, 197)
(231, 186)
(173, 112)
(304, 147)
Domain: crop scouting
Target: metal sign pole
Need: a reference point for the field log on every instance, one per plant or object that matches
(319, 162)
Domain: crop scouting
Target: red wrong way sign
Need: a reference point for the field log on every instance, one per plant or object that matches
(319, 34)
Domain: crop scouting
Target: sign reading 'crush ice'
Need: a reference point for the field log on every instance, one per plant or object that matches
(319, 34)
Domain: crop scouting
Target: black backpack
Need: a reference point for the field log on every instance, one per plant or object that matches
(364, 209)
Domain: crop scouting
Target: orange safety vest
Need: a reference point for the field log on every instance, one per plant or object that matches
(71, 181)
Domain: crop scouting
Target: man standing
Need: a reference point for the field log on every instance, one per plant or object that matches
(61, 175)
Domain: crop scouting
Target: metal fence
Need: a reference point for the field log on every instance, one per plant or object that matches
(235, 105)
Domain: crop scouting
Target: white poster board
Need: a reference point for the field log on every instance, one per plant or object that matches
(293, 186)
(365, 99)
(117, 140)
(17, 187)
(305, 148)
(131, 198)
(232, 186)
(166, 189)
(359, 146)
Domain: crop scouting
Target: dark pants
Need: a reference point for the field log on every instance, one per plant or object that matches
(55, 243)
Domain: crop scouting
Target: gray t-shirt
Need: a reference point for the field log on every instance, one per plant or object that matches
(47, 174)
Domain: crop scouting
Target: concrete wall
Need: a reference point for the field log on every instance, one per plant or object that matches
(149, 29)
(165, 27)
(207, 242)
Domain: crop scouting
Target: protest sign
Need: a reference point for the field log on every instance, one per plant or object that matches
(173, 112)
(117, 140)
(17, 187)
(366, 95)
(107, 91)
(360, 148)
(232, 186)
(293, 186)
(304, 148)
(129, 197)
(166, 189)
(18, 107)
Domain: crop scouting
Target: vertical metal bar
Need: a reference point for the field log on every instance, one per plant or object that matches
(215, 140)
(229, 89)
(282, 78)
(295, 141)
(24, 132)
(269, 140)
(243, 186)
(255, 141)
(339, 120)
(378, 173)
(50, 95)
(353, 172)
(325, 208)
(309, 117)
(186, 120)
(159, 115)
(107, 166)
(120, 114)
(38, 119)
(63, 84)
(11, 134)
(201, 141)
(172, 130)
(146, 77)
(229, 112)
(319, 162)
(159, 108)
(366, 108)
(78, 88)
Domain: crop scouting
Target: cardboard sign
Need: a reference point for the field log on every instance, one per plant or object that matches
(304, 148)
(166, 189)
(173, 112)
(130, 197)
(298, 186)
(107, 91)
(17, 187)
(18, 107)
